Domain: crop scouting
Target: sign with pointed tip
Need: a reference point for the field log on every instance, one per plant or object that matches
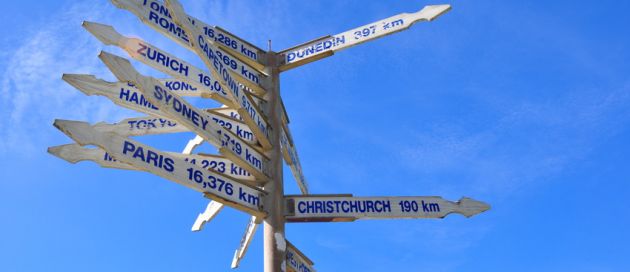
(213, 60)
(139, 126)
(157, 16)
(128, 96)
(289, 152)
(211, 211)
(222, 188)
(178, 109)
(291, 158)
(74, 153)
(161, 60)
(243, 73)
(297, 261)
(324, 208)
(250, 230)
(326, 46)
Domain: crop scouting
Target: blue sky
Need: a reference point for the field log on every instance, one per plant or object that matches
(524, 105)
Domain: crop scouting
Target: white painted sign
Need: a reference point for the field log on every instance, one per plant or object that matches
(74, 153)
(222, 188)
(160, 60)
(178, 109)
(291, 158)
(157, 16)
(250, 230)
(207, 52)
(128, 96)
(211, 211)
(242, 72)
(289, 152)
(321, 48)
(314, 208)
(296, 260)
(139, 126)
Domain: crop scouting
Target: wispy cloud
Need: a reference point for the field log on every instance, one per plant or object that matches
(527, 145)
(33, 93)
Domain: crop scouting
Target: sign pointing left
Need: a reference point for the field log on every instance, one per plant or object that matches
(143, 157)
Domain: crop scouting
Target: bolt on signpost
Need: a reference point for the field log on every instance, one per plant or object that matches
(250, 130)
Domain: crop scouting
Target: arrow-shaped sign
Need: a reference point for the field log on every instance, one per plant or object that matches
(158, 17)
(326, 46)
(139, 126)
(289, 152)
(324, 208)
(212, 59)
(221, 188)
(159, 60)
(128, 96)
(297, 261)
(234, 96)
(211, 211)
(74, 153)
(178, 109)
(250, 230)
(291, 158)
(242, 72)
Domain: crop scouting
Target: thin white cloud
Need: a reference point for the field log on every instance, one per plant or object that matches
(528, 145)
(33, 93)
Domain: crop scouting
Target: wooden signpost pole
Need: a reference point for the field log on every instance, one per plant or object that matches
(274, 239)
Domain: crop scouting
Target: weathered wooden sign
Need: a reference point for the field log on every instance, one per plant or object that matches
(326, 46)
(314, 208)
(139, 156)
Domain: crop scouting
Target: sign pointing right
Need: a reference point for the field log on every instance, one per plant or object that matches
(326, 46)
(326, 208)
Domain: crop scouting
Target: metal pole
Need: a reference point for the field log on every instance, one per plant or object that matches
(275, 243)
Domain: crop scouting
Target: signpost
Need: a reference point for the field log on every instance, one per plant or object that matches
(251, 129)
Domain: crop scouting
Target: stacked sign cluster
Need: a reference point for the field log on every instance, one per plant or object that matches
(238, 75)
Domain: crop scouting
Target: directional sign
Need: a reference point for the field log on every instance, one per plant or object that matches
(211, 211)
(138, 126)
(162, 16)
(167, 63)
(128, 96)
(224, 189)
(160, 60)
(158, 17)
(74, 153)
(326, 46)
(289, 151)
(245, 241)
(291, 158)
(213, 60)
(325, 208)
(178, 109)
(297, 261)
